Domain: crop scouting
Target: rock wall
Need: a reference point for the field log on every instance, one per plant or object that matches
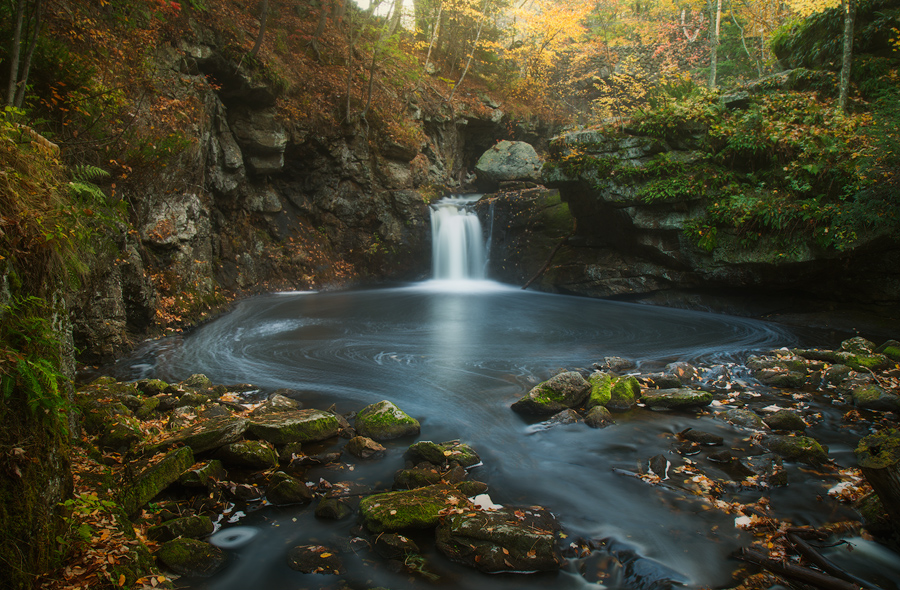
(256, 204)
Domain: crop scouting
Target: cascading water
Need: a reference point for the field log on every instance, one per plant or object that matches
(457, 239)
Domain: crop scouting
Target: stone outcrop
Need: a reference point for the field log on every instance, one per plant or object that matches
(508, 161)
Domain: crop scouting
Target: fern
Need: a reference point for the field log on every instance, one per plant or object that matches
(88, 173)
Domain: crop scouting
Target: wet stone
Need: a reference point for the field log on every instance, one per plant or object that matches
(676, 399)
(275, 404)
(364, 448)
(192, 527)
(785, 420)
(192, 558)
(766, 467)
(598, 417)
(563, 391)
(249, 454)
(394, 546)
(203, 476)
(874, 397)
(315, 559)
(385, 421)
(745, 418)
(284, 490)
(802, 449)
(442, 453)
(700, 437)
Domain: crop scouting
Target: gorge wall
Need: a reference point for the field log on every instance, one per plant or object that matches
(258, 202)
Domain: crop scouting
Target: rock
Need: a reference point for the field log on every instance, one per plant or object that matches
(385, 421)
(507, 540)
(744, 417)
(617, 364)
(685, 372)
(700, 437)
(241, 492)
(249, 454)
(364, 448)
(785, 420)
(408, 479)
(857, 362)
(192, 400)
(151, 387)
(410, 509)
(443, 453)
(859, 346)
(191, 558)
(834, 375)
(208, 435)
(566, 390)
(197, 381)
(659, 465)
(275, 404)
(662, 380)
(801, 449)
(315, 559)
(614, 392)
(564, 417)
(204, 476)
(121, 434)
(676, 399)
(394, 546)
(767, 468)
(290, 452)
(874, 397)
(156, 478)
(598, 417)
(333, 508)
(306, 425)
(890, 349)
(508, 160)
(191, 527)
(284, 489)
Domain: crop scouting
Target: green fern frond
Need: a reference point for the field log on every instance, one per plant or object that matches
(88, 173)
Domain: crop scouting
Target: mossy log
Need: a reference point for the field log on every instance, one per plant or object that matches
(879, 458)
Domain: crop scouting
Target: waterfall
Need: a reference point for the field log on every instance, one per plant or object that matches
(456, 239)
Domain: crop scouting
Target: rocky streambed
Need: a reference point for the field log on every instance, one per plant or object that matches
(192, 474)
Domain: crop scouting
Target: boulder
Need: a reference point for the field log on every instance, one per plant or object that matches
(275, 404)
(676, 399)
(766, 469)
(801, 449)
(394, 546)
(203, 476)
(890, 349)
(418, 477)
(249, 454)
(364, 448)
(701, 438)
(511, 539)
(566, 390)
(191, 527)
(208, 435)
(785, 420)
(442, 453)
(410, 509)
(191, 558)
(284, 489)
(301, 426)
(598, 417)
(744, 417)
(315, 559)
(874, 397)
(155, 479)
(508, 160)
(385, 421)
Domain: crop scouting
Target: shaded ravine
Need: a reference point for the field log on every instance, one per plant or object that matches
(455, 360)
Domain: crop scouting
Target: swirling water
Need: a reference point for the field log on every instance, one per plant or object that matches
(456, 358)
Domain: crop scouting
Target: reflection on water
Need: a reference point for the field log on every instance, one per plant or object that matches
(456, 360)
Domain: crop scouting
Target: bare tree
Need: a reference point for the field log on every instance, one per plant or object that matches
(26, 29)
(849, 7)
(263, 16)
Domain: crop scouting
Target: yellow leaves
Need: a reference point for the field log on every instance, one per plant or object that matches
(121, 581)
(324, 555)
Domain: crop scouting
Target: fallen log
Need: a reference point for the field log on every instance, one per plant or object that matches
(824, 564)
(795, 572)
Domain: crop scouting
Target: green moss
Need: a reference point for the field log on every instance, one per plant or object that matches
(879, 450)
(385, 421)
(155, 479)
(306, 425)
(601, 389)
(410, 509)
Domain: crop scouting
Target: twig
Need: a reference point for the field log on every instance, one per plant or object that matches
(807, 551)
(795, 572)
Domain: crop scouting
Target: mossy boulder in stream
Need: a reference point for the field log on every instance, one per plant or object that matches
(890, 349)
(306, 425)
(564, 391)
(874, 397)
(191, 527)
(385, 421)
(208, 435)
(192, 558)
(410, 509)
(284, 489)
(516, 540)
(249, 454)
(612, 391)
(676, 399)
(441, 453)
(157, 478)
(801, 449)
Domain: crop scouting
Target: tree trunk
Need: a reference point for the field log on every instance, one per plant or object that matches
(484, 17)
(34, 30)
(878, 456)
(714, 43)
(14, 54)
(849, 7)
(434, 31)
(263, 16)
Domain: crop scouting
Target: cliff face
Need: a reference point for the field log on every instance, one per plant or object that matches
(256, 202)
(626, 213)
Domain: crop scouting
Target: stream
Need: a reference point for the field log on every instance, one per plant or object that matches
(455, 354)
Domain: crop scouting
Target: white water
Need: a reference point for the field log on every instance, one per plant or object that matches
(457, 240)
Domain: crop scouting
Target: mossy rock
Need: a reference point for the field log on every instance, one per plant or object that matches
(744, 417)
(157, 478)
(284, 489)
(197, 381)
(305, 425)
(857, 362)
(208, 435)
(442, 453)
(874, 397)
(249, 454)
(151, 387)
(333, 508)
(192, 400)
(395, 546)
(190, 527)
(147, 408)
(364, 448)
(385, 421)
(623, 393)
(801, 449)
(890, 349)
(275, 404)
(880, 450)
(410, 509)
(598, 417)
(561, 392)
(121, 434)
(192, 558)
(785, 420)
(206, 475)
(858, 345)
(505, 540)
(676, 399)
(97, 415)
(408, 479)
